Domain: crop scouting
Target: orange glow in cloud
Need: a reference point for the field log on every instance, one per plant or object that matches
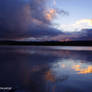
(89, 21)
(77, 26)
(82, 70)
(50, 14)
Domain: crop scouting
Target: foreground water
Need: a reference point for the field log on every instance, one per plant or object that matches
(46, 69)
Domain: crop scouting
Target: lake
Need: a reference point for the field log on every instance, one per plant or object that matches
(45, 69)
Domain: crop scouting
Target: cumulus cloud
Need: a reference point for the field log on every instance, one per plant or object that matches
(26, 18)
(77, 26)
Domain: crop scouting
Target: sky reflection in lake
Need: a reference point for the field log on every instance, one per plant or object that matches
(45, 69)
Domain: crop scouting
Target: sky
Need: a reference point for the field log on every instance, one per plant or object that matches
(40, 19)
(80, 14)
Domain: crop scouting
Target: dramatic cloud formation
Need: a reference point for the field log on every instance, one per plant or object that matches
(26, 18)
(77, 26)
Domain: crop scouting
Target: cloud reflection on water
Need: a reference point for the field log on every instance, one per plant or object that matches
(46, 70)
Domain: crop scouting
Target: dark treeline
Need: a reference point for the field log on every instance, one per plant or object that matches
(47, 43)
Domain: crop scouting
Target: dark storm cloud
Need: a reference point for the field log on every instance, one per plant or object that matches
(24, 18)
(86, 34)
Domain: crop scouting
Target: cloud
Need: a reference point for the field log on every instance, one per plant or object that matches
(26, 18)
(77, 26)
(50, 14)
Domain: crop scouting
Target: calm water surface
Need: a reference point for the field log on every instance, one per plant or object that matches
(46, 69)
